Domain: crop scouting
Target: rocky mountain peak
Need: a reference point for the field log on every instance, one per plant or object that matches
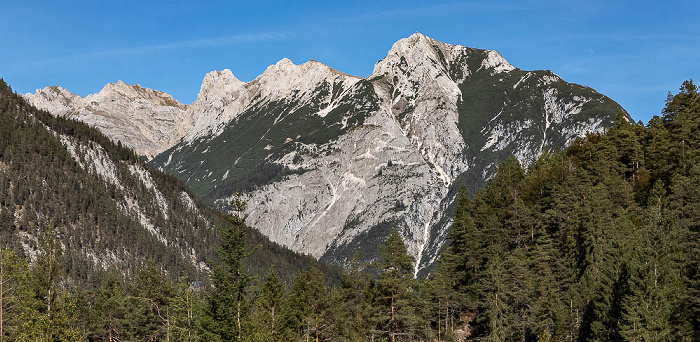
(408, 54)
(111, 92)
(223, 97)
(218, 83)
(332, 160)
(120, 88)
(417, 40)
(285, 77)
(143, 119)
(54, 99)
(496, 61)
(418, 77)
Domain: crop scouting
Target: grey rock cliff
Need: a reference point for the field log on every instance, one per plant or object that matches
(146, 120)
(330, 163)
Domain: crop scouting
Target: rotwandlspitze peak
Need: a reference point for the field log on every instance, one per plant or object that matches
(330, 163)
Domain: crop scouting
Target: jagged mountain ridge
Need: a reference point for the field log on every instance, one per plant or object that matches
(106, 207)
(145, 120)
(331, 162)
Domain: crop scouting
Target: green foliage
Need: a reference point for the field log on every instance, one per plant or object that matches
(512, 96)
(596, 243)
(226, 309)
(73, 225)
(395, 290)
(13, 293)
(310, 307)
(269, 319)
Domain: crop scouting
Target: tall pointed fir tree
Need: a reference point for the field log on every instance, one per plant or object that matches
(354, 306)
(270, 316)
(226, 308)
(310, 307)
(46, 317)
(12, 292)
(395, 290)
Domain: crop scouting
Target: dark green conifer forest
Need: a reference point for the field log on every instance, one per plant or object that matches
(599, 242)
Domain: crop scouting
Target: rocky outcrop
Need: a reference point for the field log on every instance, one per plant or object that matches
(146, 120)
(331, 163)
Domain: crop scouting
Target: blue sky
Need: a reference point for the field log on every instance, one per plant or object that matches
(633, 51)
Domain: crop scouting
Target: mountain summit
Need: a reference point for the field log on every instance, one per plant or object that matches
(146, 120)
(331, 162)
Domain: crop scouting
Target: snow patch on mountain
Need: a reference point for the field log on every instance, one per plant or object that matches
(395, 143)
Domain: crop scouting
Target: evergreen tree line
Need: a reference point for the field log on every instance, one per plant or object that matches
(40, 302)
(596, 243)
(42, 186)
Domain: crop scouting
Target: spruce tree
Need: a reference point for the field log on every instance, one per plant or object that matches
(13, 289)
(269, 319)
(45, 316)
(395, 289)
(226, 309)
(655, 280)
(151, 293)
(183, 310)
(310, 307)
(354, 308)
(109, 316)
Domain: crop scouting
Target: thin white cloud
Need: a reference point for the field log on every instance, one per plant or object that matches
(184, 44)
(624, 37)
(307, 28)
(440, 9)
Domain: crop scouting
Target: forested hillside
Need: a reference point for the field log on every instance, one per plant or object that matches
(65, 181)
(596, 243)
(79, 212)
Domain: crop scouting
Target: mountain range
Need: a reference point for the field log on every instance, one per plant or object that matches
(329, 162)
(66, 184)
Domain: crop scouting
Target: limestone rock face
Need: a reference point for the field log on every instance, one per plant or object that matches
(330, 162)
(146, 120)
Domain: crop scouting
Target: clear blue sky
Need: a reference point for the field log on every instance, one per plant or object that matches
(633, 51)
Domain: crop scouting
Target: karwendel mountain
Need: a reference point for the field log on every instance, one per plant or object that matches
(66, 183)
(330, 162)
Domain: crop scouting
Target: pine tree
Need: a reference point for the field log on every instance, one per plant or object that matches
(269, 319)
(310, 306)
(150, 297)
(46, 315)
(12, 292)
(183, 309)
(226, 309)
(494, 300)
(353, 320)
(395, 289)
(543, 293)
(108, 319)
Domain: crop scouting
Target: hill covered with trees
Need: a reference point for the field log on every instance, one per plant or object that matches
(78, 211)
(599, 242)
(596, 243)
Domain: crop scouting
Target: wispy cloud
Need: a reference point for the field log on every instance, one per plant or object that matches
(204, 42)
(324, 25)
(159, 47)
(436, 10)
